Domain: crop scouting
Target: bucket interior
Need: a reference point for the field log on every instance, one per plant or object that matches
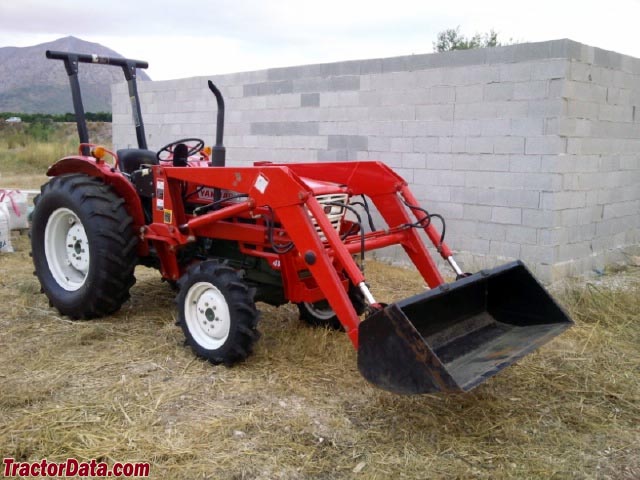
(462, 333)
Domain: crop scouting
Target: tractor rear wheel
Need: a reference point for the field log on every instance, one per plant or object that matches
(217, 313)
(83, 246)
(320, 314)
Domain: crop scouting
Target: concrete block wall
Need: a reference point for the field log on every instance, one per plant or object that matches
(530, 151)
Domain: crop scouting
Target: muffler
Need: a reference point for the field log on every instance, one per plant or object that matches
(456, 336)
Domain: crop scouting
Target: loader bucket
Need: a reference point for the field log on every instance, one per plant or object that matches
(456, 336)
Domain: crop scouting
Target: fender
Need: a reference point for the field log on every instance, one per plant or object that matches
(109, 175)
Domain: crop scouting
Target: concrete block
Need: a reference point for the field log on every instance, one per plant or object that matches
(531, 90)
(441, 94)
(464, 195)
(621, 209)
(536, 254)
(508, 215)
(325, 84)
(445, 144)
(514, 108)
(616, 113)
(414, 160)
(544, 145)
(488, 163)
(491, 231)
(498, 91)
(582, 109)
(515, 72)
(393, 112)
(538, 218)
(630, 162)
(380, 128)
(469, 93)
(581, 233)
(550, 69)
(284, 128)
(268, 88)
(508, 145)
(509, 197)
(480, 144)
(467, 128)
(478, 246)
(553, 236)
(495, 127)
(480, 110)
(401, 144)
(522, 235)
(504, 249)
(435, 194)
(586, 91)
(477, 212)
(553, 107)
(470, 75)
(310, 100)
(434, 112)
(562, 200)
(336, 155)
(573, 251)
(350, 142)
(525, 163)
(381, 144)
(395, 64)
(439, 161)
(339, 128)
(425, 144)
(427, 128)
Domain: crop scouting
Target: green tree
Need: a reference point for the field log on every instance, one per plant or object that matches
(452, 39)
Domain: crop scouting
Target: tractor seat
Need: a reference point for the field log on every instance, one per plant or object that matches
(131, 159)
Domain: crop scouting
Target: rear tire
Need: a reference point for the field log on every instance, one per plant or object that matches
(217, 313)
(320, 314)
(83, 246)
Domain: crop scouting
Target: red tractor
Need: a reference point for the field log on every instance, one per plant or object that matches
(229, 237)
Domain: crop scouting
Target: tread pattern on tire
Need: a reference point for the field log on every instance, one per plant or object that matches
(244, 315)
(112, 245)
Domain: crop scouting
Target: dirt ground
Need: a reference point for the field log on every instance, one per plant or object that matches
(124, 388)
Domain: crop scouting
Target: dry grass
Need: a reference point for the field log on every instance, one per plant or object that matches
(124, 388)
(31, 149)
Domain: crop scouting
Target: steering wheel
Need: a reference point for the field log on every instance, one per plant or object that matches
(168, 148)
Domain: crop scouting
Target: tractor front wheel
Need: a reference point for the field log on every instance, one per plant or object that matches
(217, 313)
(83, 246)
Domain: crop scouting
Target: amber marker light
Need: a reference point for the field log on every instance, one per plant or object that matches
(98, 152)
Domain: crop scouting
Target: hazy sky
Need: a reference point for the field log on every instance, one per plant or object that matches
(182, 38)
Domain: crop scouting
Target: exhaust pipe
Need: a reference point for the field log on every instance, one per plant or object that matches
(218, 156)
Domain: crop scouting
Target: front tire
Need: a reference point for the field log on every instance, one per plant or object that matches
(83, 246)
(217, 313)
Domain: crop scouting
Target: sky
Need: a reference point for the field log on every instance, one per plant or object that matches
(185, 38)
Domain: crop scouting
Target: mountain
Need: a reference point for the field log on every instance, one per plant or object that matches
(30, 83)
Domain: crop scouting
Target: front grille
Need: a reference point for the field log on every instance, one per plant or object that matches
(334, 213)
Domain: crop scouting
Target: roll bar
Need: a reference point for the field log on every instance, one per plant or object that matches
(71, 61)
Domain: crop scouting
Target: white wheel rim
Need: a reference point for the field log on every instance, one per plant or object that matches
(321, 313)
(207, 315)
(66, 248)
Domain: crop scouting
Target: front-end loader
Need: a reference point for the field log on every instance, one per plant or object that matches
(230, 236)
